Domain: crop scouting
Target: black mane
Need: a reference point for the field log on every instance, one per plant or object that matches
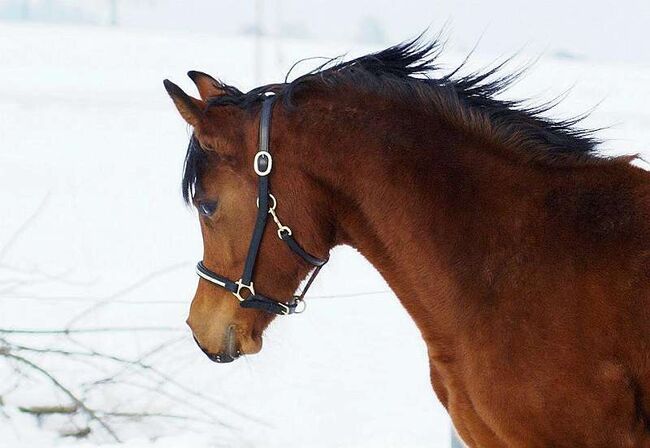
(195, 161)
(405, 72)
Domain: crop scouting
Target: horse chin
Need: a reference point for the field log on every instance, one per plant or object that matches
(251, 345)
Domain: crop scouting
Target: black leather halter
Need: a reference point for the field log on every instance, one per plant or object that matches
(262, 164)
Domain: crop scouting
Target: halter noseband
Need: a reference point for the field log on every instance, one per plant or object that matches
(243, 289)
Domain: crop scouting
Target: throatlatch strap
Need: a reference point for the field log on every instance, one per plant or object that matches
(312, 277)
(263, 194)
(302, 253)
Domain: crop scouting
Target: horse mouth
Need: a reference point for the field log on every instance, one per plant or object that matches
(230, 351)
(223, 358)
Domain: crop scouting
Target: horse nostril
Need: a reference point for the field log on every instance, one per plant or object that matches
(231, 340)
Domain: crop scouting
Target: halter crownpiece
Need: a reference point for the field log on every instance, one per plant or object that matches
(243, 289)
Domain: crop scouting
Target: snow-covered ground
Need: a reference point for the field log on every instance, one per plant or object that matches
(90, 158)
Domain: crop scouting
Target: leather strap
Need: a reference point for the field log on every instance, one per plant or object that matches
(312, 277)
(263, 303)
(302, 253)
(263, 194)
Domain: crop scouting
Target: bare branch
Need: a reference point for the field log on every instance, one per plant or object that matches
(77, 433)
(49, 410)
(66, 331)
(135, 285)
(91, 414)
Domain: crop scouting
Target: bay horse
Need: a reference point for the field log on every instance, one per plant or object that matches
(522, 255)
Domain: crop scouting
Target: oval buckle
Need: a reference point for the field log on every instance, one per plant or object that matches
(262, 170)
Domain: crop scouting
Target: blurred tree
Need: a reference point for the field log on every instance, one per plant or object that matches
(371, 31)
(113, 19)
(25, 9)
(296, 30)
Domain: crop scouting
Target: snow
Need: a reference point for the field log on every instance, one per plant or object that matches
(91, 158)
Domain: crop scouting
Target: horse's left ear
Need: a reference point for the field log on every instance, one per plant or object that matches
(190, 108)
(208, 86)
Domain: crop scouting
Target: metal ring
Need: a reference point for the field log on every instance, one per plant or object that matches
(283, 229)
(273, 201)
(267, 170)
(299, 301)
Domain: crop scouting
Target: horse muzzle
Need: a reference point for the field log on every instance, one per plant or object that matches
(230, 350)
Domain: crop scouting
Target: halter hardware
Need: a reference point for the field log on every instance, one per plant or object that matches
(266, 204)
(282, 229)
(241, 286)
(263, 163)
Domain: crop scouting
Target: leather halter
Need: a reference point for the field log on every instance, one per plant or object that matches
(266, 203)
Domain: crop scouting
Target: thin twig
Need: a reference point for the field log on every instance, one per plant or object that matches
(135, 285)
(24, 226)
(46, 276)
(175, 398)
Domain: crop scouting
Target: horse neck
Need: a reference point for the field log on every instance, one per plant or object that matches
(392, 203)
(408, 194)
(453, 223)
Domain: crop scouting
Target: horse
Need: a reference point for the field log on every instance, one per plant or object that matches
(521, 253)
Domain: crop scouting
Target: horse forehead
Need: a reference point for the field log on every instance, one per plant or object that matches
(223, 118)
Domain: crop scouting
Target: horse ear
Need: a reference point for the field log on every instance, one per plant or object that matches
(190, 108)
(208, 86)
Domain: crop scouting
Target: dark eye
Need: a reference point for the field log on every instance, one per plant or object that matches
(207, 208)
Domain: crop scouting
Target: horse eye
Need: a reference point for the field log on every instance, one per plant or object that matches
(207, 208)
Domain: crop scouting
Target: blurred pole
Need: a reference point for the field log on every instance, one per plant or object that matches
(258, 41)
(25, 10)
(112, 12)
(279, 54)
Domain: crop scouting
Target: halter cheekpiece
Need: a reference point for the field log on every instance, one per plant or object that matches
(243, 289)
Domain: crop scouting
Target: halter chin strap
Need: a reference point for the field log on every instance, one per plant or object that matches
(243, 289)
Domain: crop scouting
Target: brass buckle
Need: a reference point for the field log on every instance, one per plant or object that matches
(285, 308)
